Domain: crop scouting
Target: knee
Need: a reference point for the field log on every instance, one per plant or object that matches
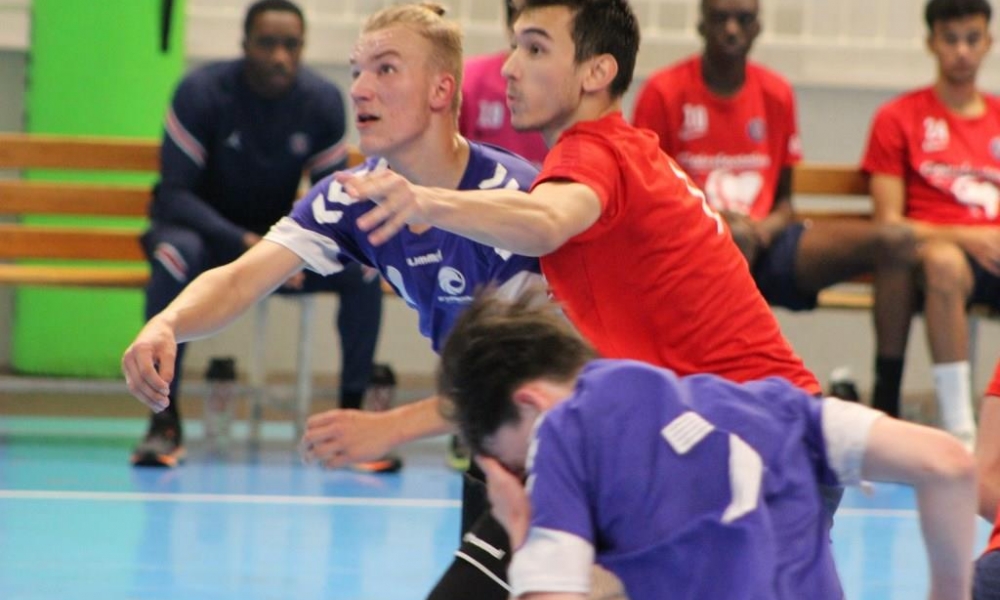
(897, 243)
(945, 268)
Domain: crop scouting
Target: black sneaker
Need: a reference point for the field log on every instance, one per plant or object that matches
(845, 389)
(161, 447)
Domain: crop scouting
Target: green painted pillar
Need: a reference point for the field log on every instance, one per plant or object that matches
(96, 68)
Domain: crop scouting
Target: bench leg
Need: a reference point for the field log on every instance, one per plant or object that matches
(303, 376)
(257, 375)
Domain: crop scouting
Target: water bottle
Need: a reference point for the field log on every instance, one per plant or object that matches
(218, 416)
(381, 391)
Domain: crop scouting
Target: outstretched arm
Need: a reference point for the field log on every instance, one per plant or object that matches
(529, 224)
(943, 474)
(209, 303)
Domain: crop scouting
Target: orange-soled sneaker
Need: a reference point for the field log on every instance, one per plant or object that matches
(161, 447)
(389, 463)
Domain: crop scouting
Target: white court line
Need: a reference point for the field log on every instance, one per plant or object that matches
(897, 513)
(226, 499)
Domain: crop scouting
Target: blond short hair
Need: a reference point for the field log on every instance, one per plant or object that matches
(427, 19)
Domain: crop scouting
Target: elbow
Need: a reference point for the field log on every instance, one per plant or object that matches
(546, 242)
(548, 235)
(951, 463)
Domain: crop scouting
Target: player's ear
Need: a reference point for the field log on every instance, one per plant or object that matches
(601, 72)
(527, 395)
(443, 89)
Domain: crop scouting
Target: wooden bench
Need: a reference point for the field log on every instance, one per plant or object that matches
(847, 187)
(102, 256)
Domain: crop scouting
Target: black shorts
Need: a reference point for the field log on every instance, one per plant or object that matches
(480, 567)
(986, 585)
(774, 271)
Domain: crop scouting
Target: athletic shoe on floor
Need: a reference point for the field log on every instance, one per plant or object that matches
(388, 464)
(161, 447)
(458, 455)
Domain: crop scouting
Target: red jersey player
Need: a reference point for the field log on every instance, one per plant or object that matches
(934, 159)
(731, 124)
(643, 266)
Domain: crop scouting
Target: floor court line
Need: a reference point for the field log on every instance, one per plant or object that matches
(227, 499)
(324, 501)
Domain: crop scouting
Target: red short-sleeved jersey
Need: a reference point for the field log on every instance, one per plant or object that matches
(994, 388)
(484, 116)
(658, 277)
(949, 164)
(994, 541)
(734, 148)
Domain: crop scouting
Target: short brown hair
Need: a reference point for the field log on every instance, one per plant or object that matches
(496, 346)
(602, 27)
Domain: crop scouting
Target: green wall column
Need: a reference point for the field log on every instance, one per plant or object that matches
(96, 68)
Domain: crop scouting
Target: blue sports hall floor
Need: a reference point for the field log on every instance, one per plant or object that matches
(76, 522)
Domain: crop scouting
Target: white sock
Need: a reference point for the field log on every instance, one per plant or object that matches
(952, 382)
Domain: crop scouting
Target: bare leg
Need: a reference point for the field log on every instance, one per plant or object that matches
(948, 283)
(836, 250)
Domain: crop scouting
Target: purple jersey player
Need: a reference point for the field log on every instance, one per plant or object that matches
(696, 485)
(433, 271)
(405, 107)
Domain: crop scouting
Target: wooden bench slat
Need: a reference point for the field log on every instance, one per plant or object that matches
(830, 180)
(833, 298)
(131, 277)
(20, 197)
(20, 151)
(30, 241)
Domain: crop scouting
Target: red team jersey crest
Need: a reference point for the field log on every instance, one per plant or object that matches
(733, 148)
(949, 164)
